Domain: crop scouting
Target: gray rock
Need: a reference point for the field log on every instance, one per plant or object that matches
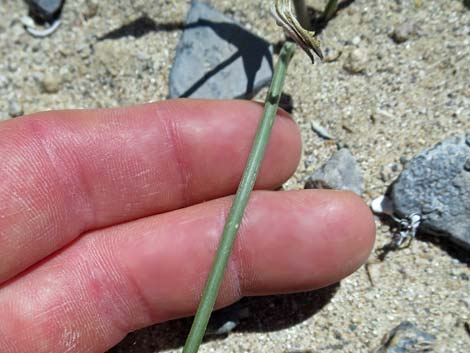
(340, 172)
(407, 338)
(15, 108)
(436, 185)
(44, 9)
(217, 58)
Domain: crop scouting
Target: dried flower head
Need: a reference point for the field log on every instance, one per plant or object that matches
(285, 17)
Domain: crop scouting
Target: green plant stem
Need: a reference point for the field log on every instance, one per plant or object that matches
(330, 9)
(239, 203)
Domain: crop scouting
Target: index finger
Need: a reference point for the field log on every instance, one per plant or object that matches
(67, 172)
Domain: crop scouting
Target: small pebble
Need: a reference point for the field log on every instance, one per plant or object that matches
(356, 40)
(403, 32)
(466, 166)
(91, 9)
(406, 338)
(3, 81)
(388, 172)
(331, 54)
(15, 108)
(223, 321)
(356, 61)
(51, 83)
(382, 205)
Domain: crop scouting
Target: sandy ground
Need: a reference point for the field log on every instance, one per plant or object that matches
(409, 96)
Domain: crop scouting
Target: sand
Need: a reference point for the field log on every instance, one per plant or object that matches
(408, 97)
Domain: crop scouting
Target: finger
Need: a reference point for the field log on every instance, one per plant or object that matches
(116, 280)
(67, 172)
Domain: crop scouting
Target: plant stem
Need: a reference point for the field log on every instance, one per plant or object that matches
(239, 203)
(302, 13)
(330, 9)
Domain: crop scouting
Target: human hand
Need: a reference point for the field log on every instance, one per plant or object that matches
(109, 220)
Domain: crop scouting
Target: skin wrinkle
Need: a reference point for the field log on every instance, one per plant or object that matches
(68, 167)
(134, 291)
(108, 275)
(175, 141)
(123, 275)
(93, 278)
(152, 315)
(45, 216)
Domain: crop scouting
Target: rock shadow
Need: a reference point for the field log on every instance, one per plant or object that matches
(249, 47)
(267, 313)
(319, 23)
(140, 27)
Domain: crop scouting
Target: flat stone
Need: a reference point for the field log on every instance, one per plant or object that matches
(340, 172)
(44, 9)
(217, 58)
(436, 185)
(406, 338)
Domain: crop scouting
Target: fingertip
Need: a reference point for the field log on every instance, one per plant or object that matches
(362, 221)
(352, 221)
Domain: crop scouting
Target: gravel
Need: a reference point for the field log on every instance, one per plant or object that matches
(410, 96)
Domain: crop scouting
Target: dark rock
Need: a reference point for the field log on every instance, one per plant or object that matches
(225, 320)
(407, 338)
(340, 172)
(217, 58)
(44, 9)
(436, 185)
